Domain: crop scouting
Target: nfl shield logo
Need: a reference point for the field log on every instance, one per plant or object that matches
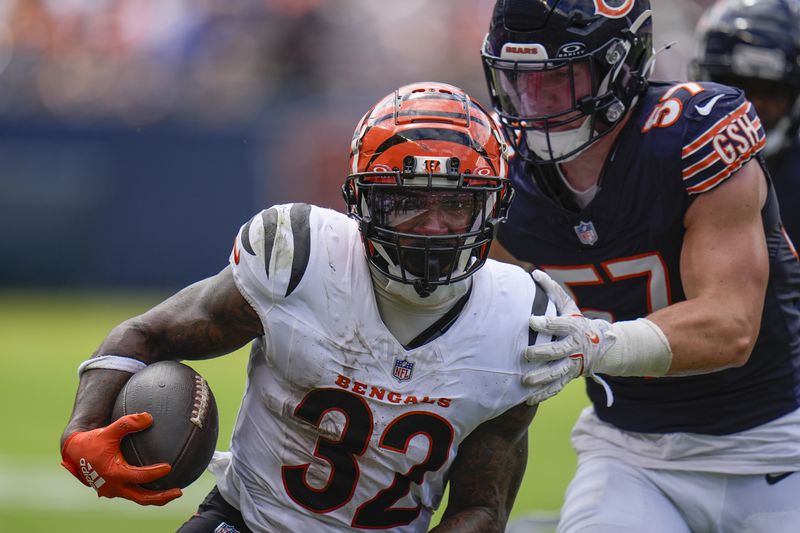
(225, 528)
(586, 232)
(402, 369)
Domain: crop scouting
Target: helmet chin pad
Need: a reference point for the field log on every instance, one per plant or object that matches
(560, 145)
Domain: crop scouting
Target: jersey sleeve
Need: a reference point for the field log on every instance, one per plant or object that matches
(723, 133)
(271, 254)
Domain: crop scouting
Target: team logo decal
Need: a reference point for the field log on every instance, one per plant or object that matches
(402, 369)
(586, 232)
(523, 52)
(430, 165)
(571, 50)
(613, 9)
(433, 166)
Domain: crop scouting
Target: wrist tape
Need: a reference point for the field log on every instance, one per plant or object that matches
(111, 362)
(640, 349)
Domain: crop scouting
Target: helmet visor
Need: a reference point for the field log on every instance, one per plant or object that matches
(541, 90)
(426, 212)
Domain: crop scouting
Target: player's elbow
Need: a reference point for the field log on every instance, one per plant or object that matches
(741, 342)
(134, 338)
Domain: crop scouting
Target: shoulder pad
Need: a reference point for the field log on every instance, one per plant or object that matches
(719, 131)
(273, 248)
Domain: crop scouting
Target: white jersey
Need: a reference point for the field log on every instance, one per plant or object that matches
(341, 426)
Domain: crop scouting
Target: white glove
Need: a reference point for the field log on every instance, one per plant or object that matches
(628, 348)
(548, 380)
(580, 342)
(580, 338)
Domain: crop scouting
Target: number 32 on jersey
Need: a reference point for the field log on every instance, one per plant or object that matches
(378, 511)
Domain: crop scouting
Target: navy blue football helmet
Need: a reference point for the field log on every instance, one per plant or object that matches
(755, 46)
(563, 73)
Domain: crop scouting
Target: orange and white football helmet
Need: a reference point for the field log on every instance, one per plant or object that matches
(428, 184)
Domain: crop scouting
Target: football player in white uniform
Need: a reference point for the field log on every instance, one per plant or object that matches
(386, 359)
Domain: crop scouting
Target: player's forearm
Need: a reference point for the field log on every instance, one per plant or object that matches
(99, 387)
(137, 339)
(166, 332)
(471, 519)
(705, 338)
(94, 401)
(487, 473)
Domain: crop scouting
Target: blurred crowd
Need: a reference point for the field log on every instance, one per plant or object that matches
(299, 71)
(139, 60)
(221, 61)
(218, 106)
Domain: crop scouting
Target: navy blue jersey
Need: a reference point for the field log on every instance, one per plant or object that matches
(620, 255)
(784, 168)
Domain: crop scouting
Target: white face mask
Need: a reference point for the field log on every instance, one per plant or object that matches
(561, 142)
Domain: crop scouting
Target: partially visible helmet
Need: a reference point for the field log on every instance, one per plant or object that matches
(754, 45)
(427, 154)
(563, 73)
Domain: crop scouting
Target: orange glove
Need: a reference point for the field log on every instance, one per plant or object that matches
(95, 458)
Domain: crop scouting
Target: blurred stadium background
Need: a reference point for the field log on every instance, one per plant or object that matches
(137, 135)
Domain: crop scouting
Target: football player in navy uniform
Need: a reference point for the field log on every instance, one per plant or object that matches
(756, 46)
(648, 204)
(380, 369)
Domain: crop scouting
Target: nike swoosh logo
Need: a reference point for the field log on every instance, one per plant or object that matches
(775, 478)
(706, 108)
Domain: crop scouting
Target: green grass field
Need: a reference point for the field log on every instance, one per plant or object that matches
(43, 337)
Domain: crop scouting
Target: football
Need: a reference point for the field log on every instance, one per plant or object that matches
(185, 422)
